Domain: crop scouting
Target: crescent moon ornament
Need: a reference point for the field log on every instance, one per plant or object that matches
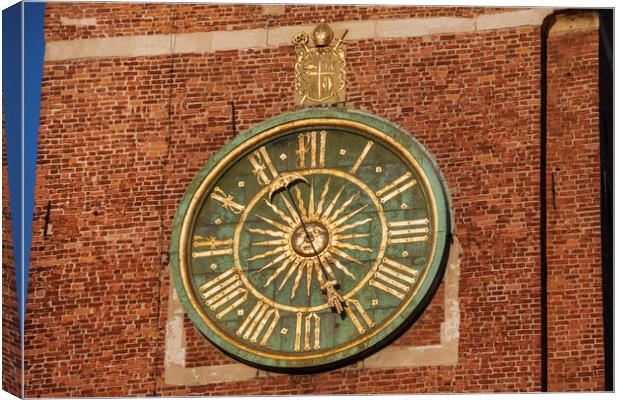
(284, 181)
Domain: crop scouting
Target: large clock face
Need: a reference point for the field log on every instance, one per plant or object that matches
(314, 204)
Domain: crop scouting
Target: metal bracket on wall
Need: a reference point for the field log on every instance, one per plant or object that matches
(556, 169)
(233, 119)
(47, 228)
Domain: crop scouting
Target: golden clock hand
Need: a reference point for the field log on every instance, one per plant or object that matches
(329, 288)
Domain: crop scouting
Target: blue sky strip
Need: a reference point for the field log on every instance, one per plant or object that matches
(22, 111)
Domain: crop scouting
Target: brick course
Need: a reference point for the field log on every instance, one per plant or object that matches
(113, 19)
(121, 138)
(573, 215)
(11, 344)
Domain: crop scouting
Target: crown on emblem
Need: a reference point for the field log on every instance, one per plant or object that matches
(322, 35)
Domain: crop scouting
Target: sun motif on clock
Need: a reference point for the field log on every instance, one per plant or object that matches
(289, 248)
(312, 240)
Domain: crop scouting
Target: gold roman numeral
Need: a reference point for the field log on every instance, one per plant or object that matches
(358, 316)
(228, 201)
(360, 159)
(261, 162)
(307, 142)
(224, 290)
(395, 188)
(308, 327)
(411, 231)
(261, 319)
(393, 278)
(217, 247)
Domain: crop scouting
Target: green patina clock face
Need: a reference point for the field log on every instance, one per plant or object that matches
(311, 200)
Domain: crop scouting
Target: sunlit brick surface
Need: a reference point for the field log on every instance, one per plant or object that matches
(121, 139)
(573, 214)
(11, 346)
(147, 19)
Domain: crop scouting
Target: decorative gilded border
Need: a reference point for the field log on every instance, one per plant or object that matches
(410, 151)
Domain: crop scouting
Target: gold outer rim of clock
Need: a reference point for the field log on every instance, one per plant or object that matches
(261, 193)
(273, 133)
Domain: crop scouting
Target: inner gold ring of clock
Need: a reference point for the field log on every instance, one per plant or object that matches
(379, 256)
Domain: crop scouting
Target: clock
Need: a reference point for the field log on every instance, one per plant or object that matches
(312, 240)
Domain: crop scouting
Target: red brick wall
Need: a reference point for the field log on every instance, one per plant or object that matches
(147, 19)
(94, 282)
(573, 215)
(121, 138)
(11, 345)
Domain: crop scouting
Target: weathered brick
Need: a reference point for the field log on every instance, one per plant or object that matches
(11, 344)
(573, 214)
(122, 138)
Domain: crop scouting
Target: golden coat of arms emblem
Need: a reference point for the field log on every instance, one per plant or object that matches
(320, 71)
